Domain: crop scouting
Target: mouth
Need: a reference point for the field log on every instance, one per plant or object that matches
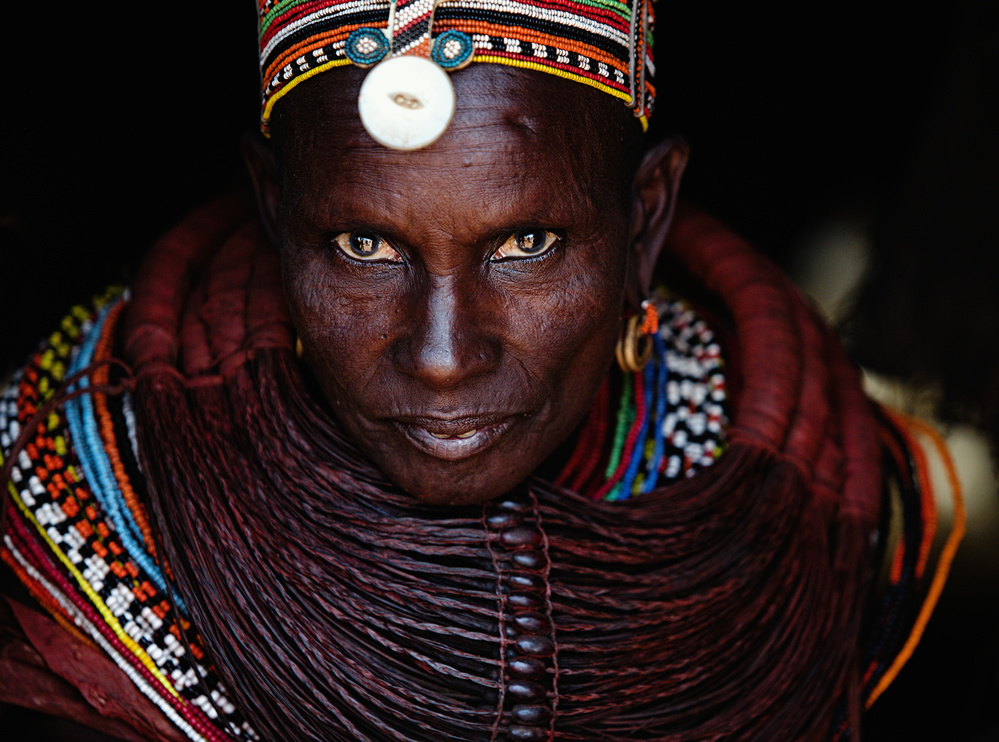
(452, 440)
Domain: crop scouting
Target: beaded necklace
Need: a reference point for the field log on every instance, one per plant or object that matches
(792, 507)
(78, 536)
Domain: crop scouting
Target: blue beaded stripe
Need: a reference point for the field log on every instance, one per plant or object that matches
(624, 489)
(97, 467)
(659, 441)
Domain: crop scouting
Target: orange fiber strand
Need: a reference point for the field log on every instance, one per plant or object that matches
(946, 555)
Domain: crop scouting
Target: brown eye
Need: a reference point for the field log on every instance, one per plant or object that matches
(367, 247)
(527, 243)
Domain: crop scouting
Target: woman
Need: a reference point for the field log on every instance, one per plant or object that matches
(391, 461)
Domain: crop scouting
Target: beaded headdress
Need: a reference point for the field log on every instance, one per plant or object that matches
(407, 99)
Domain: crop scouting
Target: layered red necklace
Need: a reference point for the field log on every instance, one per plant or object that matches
(333, 606)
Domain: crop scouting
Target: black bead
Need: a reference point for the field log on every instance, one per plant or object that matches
(532, 714)
(532, 623)
(523, 601)
(526, 667)
(498, 521)
(525, 690)
(520, 538)
(527, 734)
(523, 581)
(529, 559)
(513, 505)
(536, 646)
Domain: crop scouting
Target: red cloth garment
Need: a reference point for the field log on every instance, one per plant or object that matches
(45, 668)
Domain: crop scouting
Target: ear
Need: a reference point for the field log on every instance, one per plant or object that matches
(653, 202)
(262, 164)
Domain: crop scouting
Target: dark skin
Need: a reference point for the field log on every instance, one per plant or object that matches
(459, 305)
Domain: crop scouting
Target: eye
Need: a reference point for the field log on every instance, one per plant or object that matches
(367, 247)
(527, 243)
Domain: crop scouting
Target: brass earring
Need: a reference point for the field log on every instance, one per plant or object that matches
(634, 347)
(299, 350)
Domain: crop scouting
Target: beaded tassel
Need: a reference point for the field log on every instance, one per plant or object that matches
(625, 489)
(658, 443)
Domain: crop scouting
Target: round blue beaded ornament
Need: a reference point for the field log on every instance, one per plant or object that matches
(366, 47)
(452, 49)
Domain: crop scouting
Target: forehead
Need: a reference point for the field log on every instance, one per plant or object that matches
(512, 127)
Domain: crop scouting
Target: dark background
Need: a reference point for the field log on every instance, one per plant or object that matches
(116, 122)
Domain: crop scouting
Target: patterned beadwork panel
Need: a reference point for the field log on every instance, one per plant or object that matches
(603, 43)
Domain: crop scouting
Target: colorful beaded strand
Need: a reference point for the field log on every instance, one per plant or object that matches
(624, 418)
(107, 431)
(662, 379)
(639, 425)
(625, 489)
(97, 467)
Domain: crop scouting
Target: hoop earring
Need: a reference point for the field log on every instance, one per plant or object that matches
(634, 347)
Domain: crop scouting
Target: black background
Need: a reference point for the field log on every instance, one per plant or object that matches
(114, 126)
(116, 122)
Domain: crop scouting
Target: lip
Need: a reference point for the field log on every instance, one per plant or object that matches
(439, 437)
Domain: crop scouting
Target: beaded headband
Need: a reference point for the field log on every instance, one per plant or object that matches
(407, 100)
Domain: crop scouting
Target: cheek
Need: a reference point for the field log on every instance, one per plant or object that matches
(596, 325)
(566, 332)
(343, 329)
(586, 303)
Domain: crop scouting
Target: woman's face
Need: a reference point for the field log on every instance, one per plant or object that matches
(459, 305)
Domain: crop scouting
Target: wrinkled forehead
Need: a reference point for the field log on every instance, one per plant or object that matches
(520, 118)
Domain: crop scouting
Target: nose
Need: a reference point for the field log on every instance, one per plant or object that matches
(447, 343)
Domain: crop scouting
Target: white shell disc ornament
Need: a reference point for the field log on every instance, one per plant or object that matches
(406, 102)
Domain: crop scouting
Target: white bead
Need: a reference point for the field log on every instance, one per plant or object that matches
(406, 102)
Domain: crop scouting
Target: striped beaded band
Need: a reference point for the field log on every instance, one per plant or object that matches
(78, 537)
(602, 43)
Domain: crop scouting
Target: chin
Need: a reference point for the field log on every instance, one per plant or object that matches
(456, 489)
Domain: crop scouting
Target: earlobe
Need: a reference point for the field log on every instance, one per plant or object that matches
(262, 165)
(654, 194)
